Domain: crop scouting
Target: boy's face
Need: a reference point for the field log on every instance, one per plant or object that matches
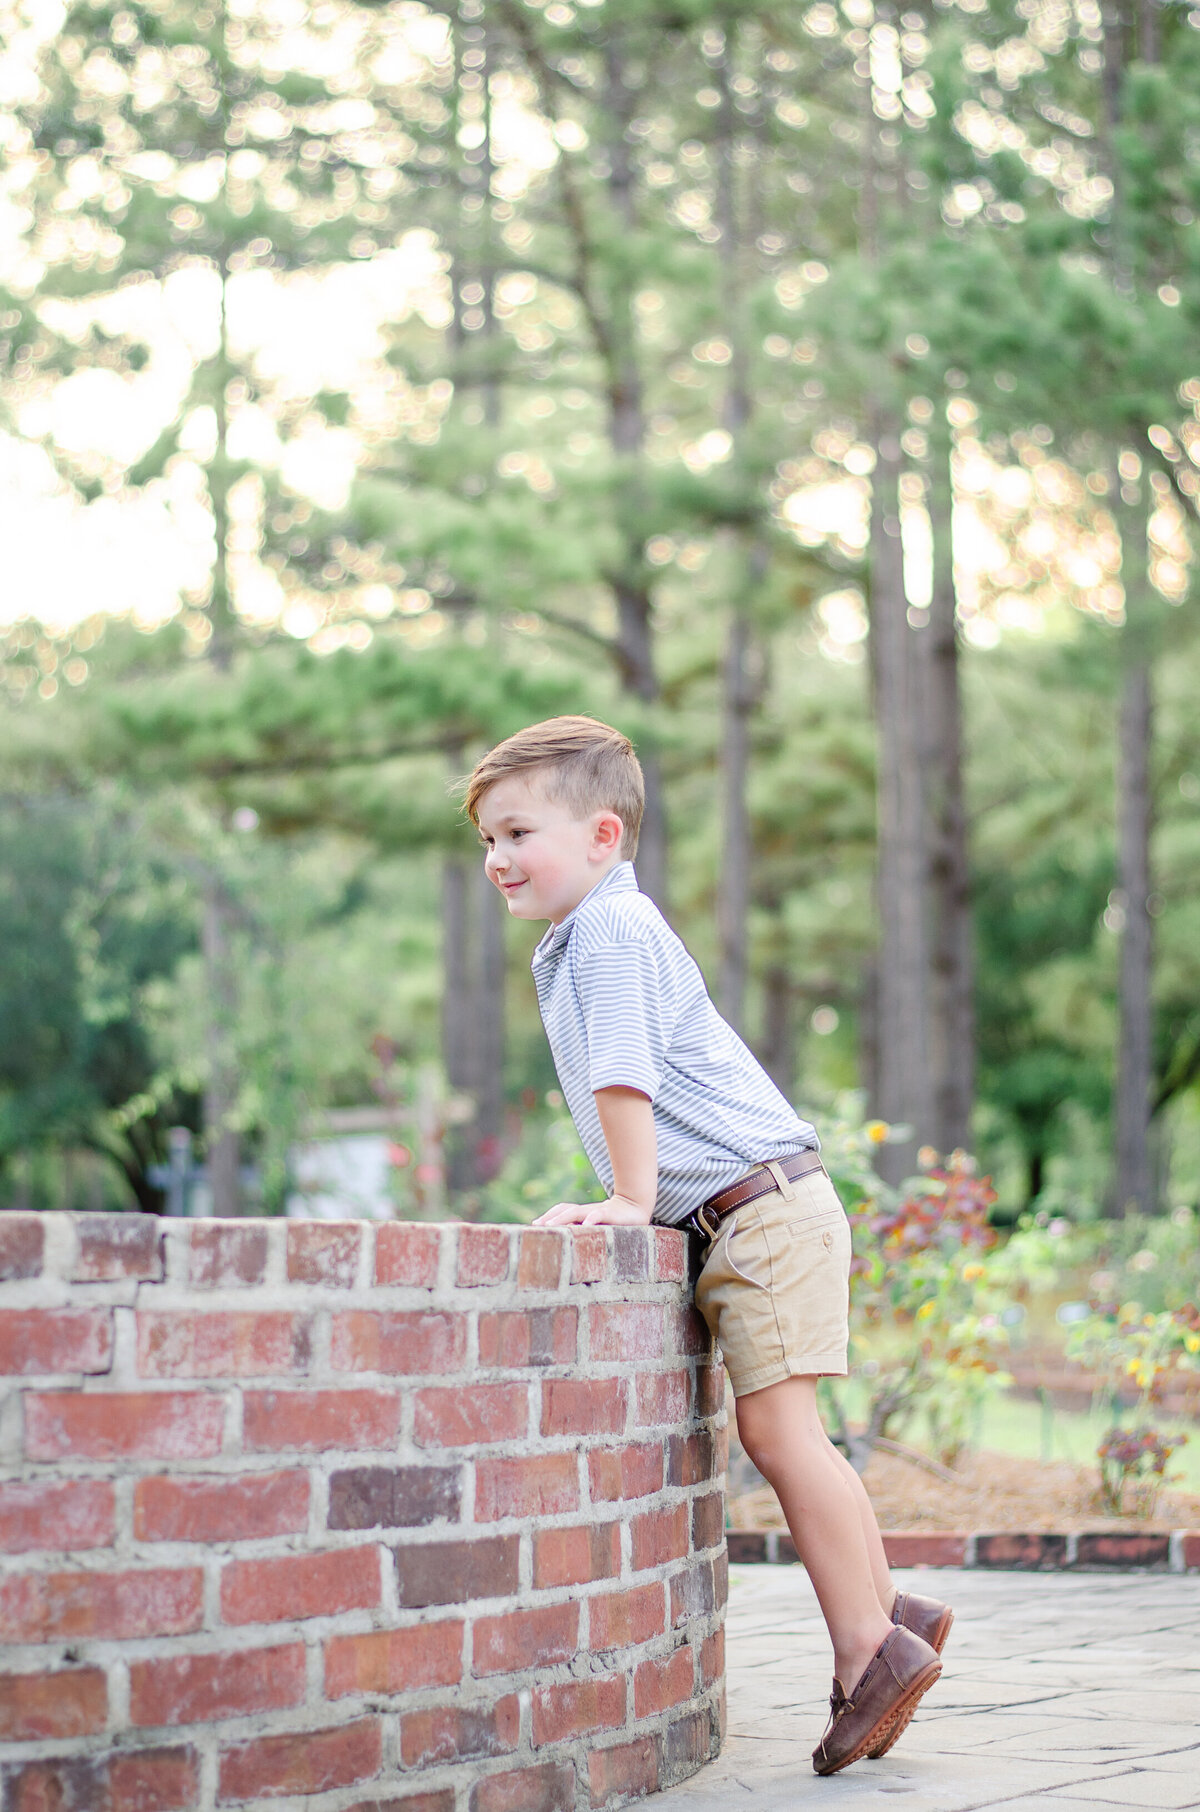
(542, 858)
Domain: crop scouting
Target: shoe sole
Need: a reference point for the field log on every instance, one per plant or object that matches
(886, 1729)
(937, 1641)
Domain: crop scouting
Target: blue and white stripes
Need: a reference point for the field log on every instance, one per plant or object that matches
(623, 1003)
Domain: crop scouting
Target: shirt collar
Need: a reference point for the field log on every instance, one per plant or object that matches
(620, 879)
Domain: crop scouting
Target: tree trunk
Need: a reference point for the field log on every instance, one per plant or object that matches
(1133, 1183)
(222, 1140)
(904, 1095)
(627, 432)
(740, 685)
(951, 1004)
(472, 1021)
(738, 696)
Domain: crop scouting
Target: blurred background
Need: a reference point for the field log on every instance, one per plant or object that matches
(809, 390)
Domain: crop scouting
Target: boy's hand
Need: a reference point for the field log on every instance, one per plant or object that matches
(617, 1211)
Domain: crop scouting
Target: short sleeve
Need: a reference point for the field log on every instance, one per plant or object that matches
(626, 1017)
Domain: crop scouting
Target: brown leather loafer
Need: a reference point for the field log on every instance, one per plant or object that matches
(899, 1674)
(928, 1618)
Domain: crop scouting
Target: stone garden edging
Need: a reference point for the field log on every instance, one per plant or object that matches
(1025, 1551)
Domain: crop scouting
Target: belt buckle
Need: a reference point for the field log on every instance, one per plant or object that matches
(702, 1221)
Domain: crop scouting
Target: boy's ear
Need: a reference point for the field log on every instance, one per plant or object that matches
(608, 832)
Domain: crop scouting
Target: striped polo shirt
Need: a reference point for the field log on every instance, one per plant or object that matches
(623, 1003)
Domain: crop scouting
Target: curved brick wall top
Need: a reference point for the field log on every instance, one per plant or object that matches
(407, 1518)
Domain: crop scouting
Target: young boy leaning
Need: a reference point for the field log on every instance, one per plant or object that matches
(686, 1130)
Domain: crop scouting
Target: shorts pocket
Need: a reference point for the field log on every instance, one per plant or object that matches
(748, 1254)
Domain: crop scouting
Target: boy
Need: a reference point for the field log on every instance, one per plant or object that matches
(684, 1128)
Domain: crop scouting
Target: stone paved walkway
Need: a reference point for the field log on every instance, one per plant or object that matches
(1061, 1692)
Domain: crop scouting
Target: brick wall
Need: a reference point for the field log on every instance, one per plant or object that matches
(407, 1518)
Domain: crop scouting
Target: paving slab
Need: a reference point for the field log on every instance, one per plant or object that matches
(1060, 1691)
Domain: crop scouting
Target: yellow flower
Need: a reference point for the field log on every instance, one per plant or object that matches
(972, 1272)
(877, 1131)
(1132, 1367)
(1147, 1321)
(1192, 1342)
(926, 1310)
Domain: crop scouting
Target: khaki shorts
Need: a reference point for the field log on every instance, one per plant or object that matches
(774, 1289)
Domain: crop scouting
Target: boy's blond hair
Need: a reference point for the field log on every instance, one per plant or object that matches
(582, 764)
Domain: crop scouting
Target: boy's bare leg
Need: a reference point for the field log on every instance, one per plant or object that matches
(829, 1515)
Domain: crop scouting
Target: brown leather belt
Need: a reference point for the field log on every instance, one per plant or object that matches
(760, 1181)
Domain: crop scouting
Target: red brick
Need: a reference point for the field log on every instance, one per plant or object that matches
(625, 1330)
(712, 1657)
(154, 1780)
(22, 1245)
(625, 1472)
(631, 1254)
(56, 1513)
(539, 1266)
(574, 1556)
(136, 1425)
(300, 1585)
(112, 1246)
(550, 1788)
(515, 1338)
(589, 1254)
(460, 1733)
(720, 1570)
(577, 1707)
(470, 1414)
(389, 1661)
(708, 1520)
(302, 1762)
(710, 1389)
(544, 1484)
(70, 1702)
(484, 1254)
(190, 1689)
(659, 1536)
(452, 1572)
(747, 1547)
(584, 1406)
(54, 1340)
(323, 1252)
(315, 1420)
(1122, 1548)
(624, 1619)
(916, 1548)
(522, 1639)
(393, 1497)
(720, 1458)
(1191, 1549)
(663, 1397)
(689, 1334)
(58, 1607)
(238, 1343)
(238, 1507)
(657, 1685)
(1021, 1551)
(692, 1458)
(627, 1771)
(689, 1743)
(692, 1593)
(670, 1254)
(406, 1254)
(140, 1780)
(404, 1341)
(224, 1253)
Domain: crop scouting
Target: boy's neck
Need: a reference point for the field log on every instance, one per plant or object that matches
(603, 875)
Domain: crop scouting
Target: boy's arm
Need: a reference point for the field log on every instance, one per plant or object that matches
(627, 1121)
